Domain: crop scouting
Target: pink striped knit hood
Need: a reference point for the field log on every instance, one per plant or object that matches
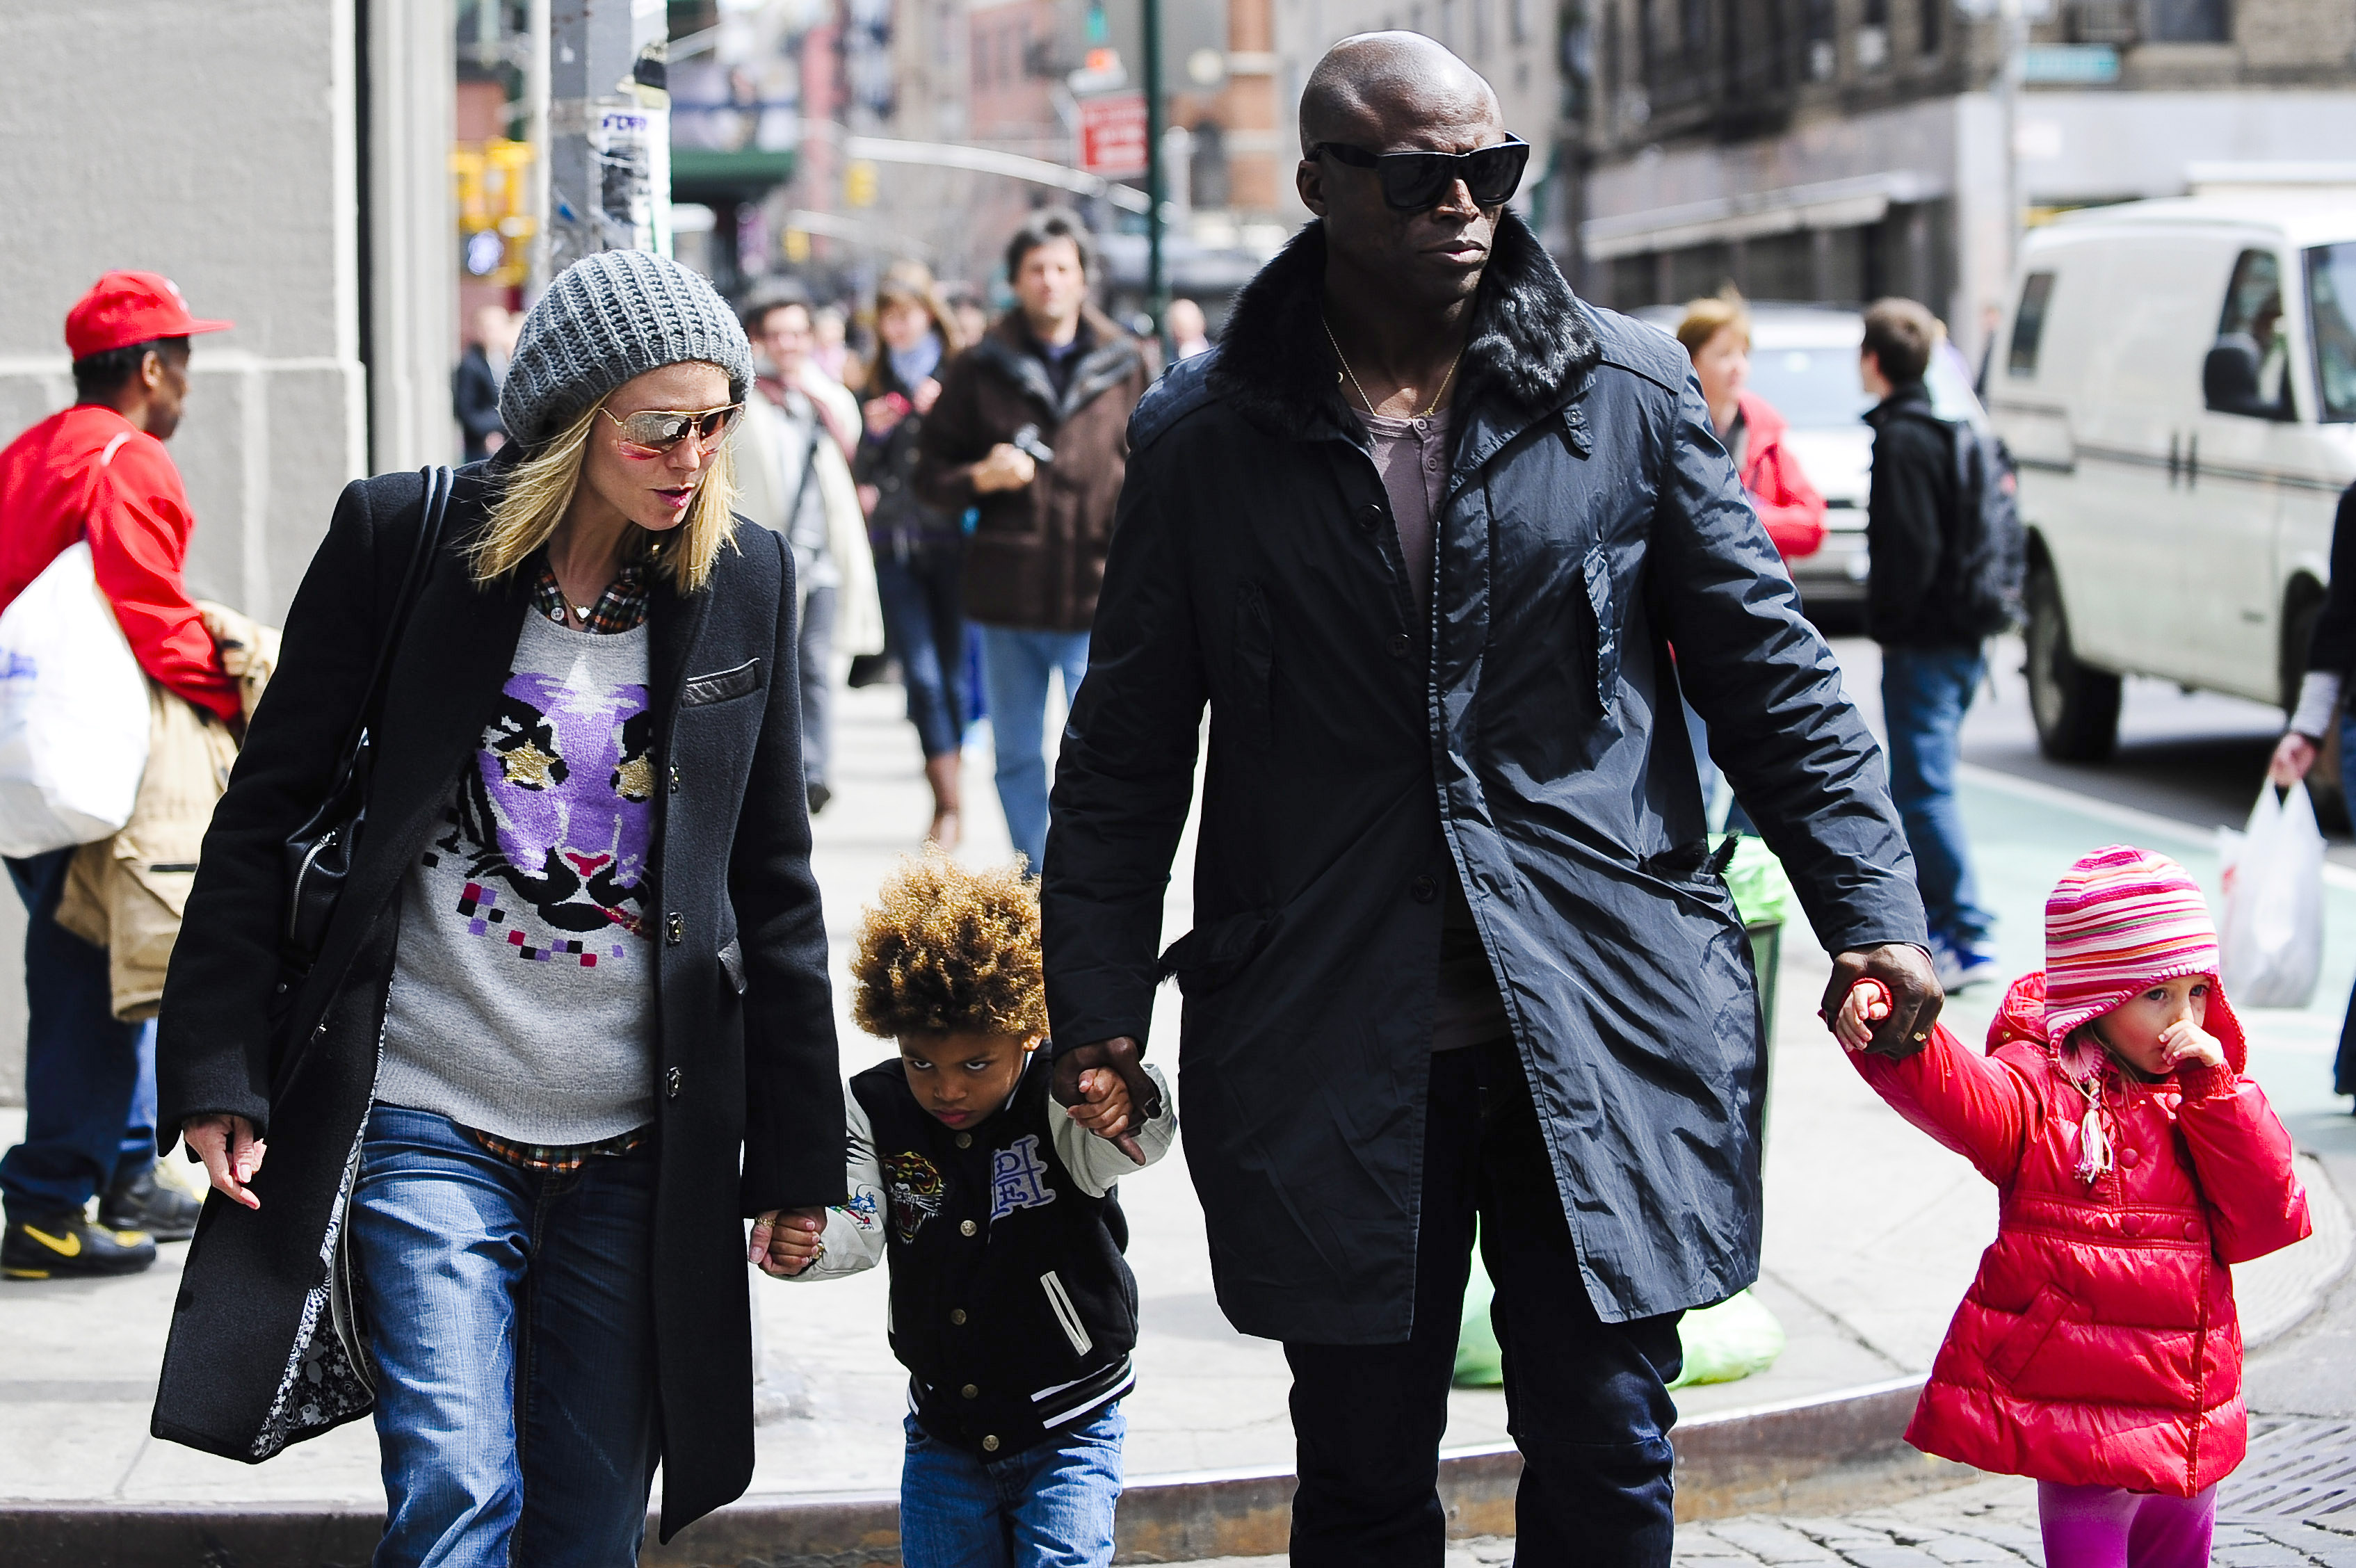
(2121, 920)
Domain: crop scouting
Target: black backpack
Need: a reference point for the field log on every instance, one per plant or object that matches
(1987, 552)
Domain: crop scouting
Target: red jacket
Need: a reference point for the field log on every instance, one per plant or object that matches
(88, 471)
(2098, 1345)
(1780, 494)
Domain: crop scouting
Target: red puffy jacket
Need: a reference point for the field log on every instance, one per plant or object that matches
(2098, 1345)
(1791, 508)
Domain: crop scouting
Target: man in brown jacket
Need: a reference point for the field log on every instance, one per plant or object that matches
(1031, 431)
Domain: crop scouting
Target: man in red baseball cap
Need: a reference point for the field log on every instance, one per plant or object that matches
(98, 471)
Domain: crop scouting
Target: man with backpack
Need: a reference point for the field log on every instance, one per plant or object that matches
(1939, 587)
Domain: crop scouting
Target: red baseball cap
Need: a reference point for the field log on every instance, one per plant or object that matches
(123, 308)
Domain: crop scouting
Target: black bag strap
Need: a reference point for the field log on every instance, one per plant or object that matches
(439, 483)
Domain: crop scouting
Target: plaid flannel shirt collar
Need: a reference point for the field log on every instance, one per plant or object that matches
(621, 608)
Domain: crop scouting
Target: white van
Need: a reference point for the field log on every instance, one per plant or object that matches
(2177, 380)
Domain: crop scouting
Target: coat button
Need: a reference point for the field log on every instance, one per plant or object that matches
(1423, 890)
(965, 1140)
(967, 1227)
(670, 1081)
(990, 1444)
(674, 778)
(970, 1392)
(1370, 516)
(2127, 1156)
(675, 929)
(2191, 1231)
(957, 1316)
(1401, 644)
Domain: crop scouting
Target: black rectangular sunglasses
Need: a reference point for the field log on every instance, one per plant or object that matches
(1418, 182)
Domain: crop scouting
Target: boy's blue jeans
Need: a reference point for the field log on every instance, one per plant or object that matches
(1925, 694)
(513, 1325)
(1015, 666)
(1048, 1506)
(89, 1079)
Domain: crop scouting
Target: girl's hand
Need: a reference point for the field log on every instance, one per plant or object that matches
(1104, 1106)
(232, 1153)
(785, 1241)
(2187, 1042)
(1866, 1004)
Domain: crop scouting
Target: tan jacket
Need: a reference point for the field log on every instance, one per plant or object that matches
(127, 893)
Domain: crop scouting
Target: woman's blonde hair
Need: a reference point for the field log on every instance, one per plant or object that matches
(1706, 318)
(538, 490)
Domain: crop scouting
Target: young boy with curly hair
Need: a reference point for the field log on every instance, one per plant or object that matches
(1012, 1305)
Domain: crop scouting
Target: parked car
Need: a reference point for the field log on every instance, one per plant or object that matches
(2176, 381)
(1803, 361)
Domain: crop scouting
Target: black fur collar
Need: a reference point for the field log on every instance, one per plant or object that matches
(1531, 337)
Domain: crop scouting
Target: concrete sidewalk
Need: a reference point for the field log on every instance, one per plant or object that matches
(1872, 1230)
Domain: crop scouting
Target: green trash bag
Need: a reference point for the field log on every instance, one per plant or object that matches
(1762, 893)
(1722, 1343)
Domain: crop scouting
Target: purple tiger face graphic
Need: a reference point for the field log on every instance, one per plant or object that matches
(559, 806)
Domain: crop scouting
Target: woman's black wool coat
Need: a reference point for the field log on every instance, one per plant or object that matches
(1522, 733)
(749, 1107)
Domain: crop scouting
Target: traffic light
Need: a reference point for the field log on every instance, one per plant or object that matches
(859, 183)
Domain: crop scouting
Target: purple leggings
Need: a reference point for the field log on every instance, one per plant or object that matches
(2110, 1527)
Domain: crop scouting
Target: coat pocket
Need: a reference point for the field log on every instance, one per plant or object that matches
(1067, 1316)
(2012, 1358)
(1254, 668)
(732, 966)
(1209, 956)
(722, 685)
(1596, 570)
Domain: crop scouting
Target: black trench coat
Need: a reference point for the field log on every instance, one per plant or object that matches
(1525, 735)
(746, 1062)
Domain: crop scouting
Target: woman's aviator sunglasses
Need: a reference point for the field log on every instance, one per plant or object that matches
(1418, 182)
(660, 429)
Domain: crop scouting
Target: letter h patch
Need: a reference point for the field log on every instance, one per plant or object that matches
(1018, 1178)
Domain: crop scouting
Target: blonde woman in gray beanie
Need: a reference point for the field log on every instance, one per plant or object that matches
(482, 1154)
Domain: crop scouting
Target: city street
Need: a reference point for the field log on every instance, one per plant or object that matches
(1872, 1230)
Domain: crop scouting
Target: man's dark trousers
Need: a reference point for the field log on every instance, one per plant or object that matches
(1587, 1401)
(89, 1080)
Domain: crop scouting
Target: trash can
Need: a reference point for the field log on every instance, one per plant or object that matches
(1762, 896)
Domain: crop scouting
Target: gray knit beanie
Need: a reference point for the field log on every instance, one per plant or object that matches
(609, 317)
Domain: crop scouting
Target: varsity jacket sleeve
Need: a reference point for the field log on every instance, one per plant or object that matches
(853, 1237)
(2243, 1157)
(1097, 1163)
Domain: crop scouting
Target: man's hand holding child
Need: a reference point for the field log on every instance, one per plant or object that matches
(786, 1241)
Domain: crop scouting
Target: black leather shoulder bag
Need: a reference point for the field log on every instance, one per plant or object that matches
(320, 854)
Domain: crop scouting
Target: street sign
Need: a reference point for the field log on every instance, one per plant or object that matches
(1112, 134)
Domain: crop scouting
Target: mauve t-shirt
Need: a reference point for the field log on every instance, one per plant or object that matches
(1411, 455)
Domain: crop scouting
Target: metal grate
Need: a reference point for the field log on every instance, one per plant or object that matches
(2303, 1470)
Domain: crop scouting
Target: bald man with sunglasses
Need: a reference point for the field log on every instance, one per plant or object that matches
(1421, 533)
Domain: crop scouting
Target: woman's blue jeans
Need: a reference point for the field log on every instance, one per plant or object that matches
(1047, 1507)
(1015, 668)
(511, 1315)
(918, 582)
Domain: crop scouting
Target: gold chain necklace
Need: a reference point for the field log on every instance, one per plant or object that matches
(1344, 358)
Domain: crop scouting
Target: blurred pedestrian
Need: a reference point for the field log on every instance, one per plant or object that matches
(800, 429)
(2099, 1351)
(919, 548)
(1032, 430)
(1190, 333)
(524, 1139)
(1716, 333)
(474, 384)
(98, 471)
(830, 349)
(965, 309)
(2323, 692)
(1415, 532)
(1932, 659)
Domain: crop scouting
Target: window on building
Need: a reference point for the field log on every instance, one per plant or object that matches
(2186, 22)
(1824, 56)
(1648, 53)
(1873, 36)
(1692, 31)
(1933, 27)
(2028, 323)
(2332, 319)
(2247, 371)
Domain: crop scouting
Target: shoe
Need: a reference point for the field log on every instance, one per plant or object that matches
(818, 796)
(142, 1203)
(1958, 967)
(71, 1247)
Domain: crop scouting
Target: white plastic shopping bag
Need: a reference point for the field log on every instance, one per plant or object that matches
(73, 713)
(2272, 933)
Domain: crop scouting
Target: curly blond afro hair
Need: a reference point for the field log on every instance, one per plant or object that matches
(947, 949)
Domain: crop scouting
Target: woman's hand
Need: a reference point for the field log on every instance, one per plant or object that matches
(928, 392)
(786, 1241)
(1008, 468)
(2294, 754)
(884, 413)
(232, 1153)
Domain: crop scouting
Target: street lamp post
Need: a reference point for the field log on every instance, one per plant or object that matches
(1157, 287)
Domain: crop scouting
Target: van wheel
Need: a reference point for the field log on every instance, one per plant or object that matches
(2076, 707)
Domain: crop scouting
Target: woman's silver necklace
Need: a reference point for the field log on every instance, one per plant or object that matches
(1353, 375)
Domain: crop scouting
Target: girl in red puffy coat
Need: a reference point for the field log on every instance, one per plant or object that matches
(2098, 1350)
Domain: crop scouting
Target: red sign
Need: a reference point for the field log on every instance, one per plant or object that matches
(1112, 134)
